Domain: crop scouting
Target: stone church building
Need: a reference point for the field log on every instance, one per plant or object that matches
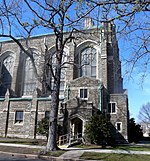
(90, 82)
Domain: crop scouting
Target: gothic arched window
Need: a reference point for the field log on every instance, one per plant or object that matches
(52, 63)
(63, 71)
(88, 62)
(30, 78)
(6, 69)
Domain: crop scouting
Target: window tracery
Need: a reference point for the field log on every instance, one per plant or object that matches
(52, 63)
(30, 78)
(88, 62)
(6, 73)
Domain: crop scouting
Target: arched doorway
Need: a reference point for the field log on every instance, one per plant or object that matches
(77, 126)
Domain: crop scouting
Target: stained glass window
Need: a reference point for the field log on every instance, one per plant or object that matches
(7, 65)
(53, 61)
(88, 62)
(30, 76)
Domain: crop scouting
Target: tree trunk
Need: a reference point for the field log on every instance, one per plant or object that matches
(52, 138)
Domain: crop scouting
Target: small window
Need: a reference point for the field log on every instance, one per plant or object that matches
(112, 107)
(47, 113)
(19, 117)
(119, 126)
(62, 86)
(83, 93)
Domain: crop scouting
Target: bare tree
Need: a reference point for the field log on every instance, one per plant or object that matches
(144, 114)
(144, 118)
(27, 17)
(132, 20)
(53, 16)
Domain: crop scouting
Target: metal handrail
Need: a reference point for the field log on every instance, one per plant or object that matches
(68, 138)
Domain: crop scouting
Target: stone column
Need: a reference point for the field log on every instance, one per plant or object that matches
(70, 68)
(6, 105)
(34, 112)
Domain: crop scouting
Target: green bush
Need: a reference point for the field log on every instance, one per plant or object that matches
(43, 127)
(97, 129)
(135, 131)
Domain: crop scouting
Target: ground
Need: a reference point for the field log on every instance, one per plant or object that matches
(16, 148)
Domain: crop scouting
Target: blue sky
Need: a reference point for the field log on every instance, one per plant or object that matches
(138, 91)
(138, 94)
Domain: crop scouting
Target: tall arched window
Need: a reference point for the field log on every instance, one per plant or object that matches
(63, 70)
(6, 69)
(30, 78)
(52, 63)
(88, 62)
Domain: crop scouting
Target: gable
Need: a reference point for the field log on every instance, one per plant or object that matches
(84, 81)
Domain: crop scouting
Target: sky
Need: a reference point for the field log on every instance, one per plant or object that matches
(138, 94)
(138, 91)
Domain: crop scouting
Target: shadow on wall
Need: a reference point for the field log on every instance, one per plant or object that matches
(116, 136)
(5, 81)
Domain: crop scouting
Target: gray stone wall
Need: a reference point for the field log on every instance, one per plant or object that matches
(90, 84)
(23, 129)
(85, 39)
(3, 116)
(33, 111)
(121, 114)
(43, 106)
(108, 73)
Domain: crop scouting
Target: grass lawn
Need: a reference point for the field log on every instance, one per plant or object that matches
(24, 141)
(25, 150)
(134, 148)
(21, 150)
(125, 147)
(114, 157)
(35, 151)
